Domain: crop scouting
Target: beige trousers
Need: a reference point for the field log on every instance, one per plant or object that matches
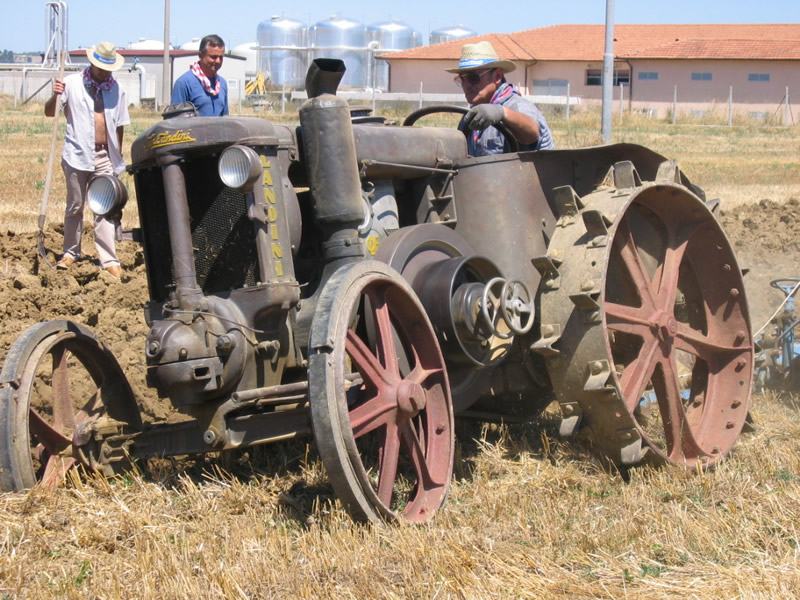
(77, 181)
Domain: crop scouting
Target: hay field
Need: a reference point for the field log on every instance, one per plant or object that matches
(529, 515)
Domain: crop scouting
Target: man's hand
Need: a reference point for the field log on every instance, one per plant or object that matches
(482, 115)
(58, 87)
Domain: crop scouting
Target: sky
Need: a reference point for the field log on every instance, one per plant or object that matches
(23, 27)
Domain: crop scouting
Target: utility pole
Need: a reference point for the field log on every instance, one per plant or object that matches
(166, 74)
(608, 73)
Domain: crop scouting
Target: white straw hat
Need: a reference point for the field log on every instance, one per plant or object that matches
(105, 56)
(481, 56)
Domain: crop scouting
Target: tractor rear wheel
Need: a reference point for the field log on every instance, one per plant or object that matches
(644, 322)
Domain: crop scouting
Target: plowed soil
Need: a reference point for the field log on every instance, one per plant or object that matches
(765, 236)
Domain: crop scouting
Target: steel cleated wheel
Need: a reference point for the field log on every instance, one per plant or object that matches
(381, 410)
(644, 322)
(58, 381)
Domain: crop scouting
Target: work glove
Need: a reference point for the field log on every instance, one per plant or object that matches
(481, 116)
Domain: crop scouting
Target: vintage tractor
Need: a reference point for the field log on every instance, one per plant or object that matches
(363, 283)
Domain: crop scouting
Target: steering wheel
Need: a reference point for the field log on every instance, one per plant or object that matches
(785, 284)
(412, 118)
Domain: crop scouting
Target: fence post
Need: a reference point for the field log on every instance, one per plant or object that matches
(566, 110)
(283, 99)
(621, 99)
(730, 106)
(420, 95)
(786, 110)
(675, 105)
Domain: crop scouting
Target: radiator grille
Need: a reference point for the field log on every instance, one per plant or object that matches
(223, 238)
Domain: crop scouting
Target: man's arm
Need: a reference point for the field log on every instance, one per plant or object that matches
(120, 131)
(523, 127)
(50, 105)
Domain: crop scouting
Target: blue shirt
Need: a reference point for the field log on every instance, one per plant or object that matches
(189, 88)
(491, 141)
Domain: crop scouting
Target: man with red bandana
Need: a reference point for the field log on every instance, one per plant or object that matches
(96, 109)
(493, 100)
(202, 85)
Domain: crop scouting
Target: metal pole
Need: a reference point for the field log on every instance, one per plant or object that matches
(420, 94)
(566, 110)
(786, 108)
(675, 105)
(283, 100)
(621, 99)
(166, 76)
(730, 106)
(608, 72)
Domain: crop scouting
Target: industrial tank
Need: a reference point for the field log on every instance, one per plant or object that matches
(345, 39)
(452, 32)
(385, 37)
(193, 44)
(282, 51)
(248, 52)
(145, 44)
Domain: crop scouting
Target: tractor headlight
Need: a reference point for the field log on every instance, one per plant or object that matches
(106, 194)
(239, 167)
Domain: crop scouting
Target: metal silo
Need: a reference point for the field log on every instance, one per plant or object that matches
(248, 52)
(193, 44)
(145, 44)
(345, 39)
(385, 37)
(282, 51)
(453, 32)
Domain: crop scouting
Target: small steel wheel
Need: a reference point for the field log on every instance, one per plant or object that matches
(57, 380)
(381, 409)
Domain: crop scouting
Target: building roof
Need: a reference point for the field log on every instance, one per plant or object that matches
(724, 49)
(132, 52)
(587, 43)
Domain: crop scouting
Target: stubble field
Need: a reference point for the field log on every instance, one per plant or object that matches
(529, 515)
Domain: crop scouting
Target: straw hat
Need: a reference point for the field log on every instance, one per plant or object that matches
(481, 56)
(105, 56)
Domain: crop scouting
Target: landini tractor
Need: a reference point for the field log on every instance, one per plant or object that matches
(364, 283)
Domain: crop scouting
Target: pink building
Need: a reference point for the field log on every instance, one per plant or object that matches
(702, 67)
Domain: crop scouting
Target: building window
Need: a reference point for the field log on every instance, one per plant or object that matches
(550, 87)
(701, 76)
(648, 75)
(595, 77)
(758, 77)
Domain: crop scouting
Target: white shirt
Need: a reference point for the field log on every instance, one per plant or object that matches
(80, 136)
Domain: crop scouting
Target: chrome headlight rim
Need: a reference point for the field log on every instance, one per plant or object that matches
(239, 167)
(106, 195)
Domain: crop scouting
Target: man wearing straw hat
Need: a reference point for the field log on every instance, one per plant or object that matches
(493, 100)
(96, 110)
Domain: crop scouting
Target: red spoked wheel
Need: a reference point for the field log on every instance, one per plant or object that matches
(649, 345)
(380, 401)
(57, 380)
(677, 330)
